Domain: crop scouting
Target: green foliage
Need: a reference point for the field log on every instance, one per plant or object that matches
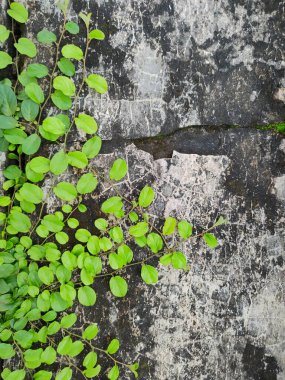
(50, 261)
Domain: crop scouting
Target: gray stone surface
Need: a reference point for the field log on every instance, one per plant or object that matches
(177, 63)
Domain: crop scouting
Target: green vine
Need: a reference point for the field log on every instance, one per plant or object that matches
(43, 275)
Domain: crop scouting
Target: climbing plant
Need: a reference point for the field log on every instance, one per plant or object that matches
(50, 261)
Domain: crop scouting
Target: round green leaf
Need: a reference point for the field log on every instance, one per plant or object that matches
(65, 85)
(118, 286)
(7, 122)
(64, 374)
(169, 226)
(184, 229)
(119, 169)
(66, 67)
(149, 274)
(112, 205)
(19, 221)
(32, 144)
(86, 296)
(92, 147)
(59, 163)
(5, 60)
(26, 47)
(72, 51)
(146, 196)
(31, 193)
(54, 125)
(61, 101)
(113, 347)
(65, 191)
(40, 164)
(139, 229)
(86, 123)
(97, 82)
(46, 37)
(46, 275)
(210, 240)
(6, 351)
(77, 159)
(18, 12)
(97, 34)
(35, 93)
(30, 109)
(87, 183)
(4, 33)
(72, 27)
(37, 70)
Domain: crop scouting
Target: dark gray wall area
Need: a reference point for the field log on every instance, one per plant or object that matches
(177, 63)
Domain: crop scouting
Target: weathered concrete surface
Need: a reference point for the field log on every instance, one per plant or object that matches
(225, 318)
(171, 64)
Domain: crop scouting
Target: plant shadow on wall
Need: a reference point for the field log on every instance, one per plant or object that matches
(50, 261)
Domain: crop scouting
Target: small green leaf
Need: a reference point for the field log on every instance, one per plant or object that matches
(169, 226)
(5, 60)
(42, 375)
(46, 37)
(31, 193)
(101, 224)
(46, 275)
(221, 220)
(59, 162)
(184, 229)
(6, 351)
(35, 93)
(149, 274)
(7, 122)
(210, 240)
(77, 159)
(15, 136)
(64, 374)
(65, 191)
(30, 109)
(40, 164)
(72, 51)
(179, 260)
(155, 242)
(18, 12)
(26, 47)
(32, 144)
(112, 205)
(54, 125)
(82, 235)
(90, 360)
(65, 85)
(61, 101)
(20, 222)
(146, 196)
(114, 373)
(68, 320)
(86, 296)
(48, 356)
(97, 82)
(19, 374)
(118, 286)
(4, 33)
(86, 123)
(87, 183)
(66, 67)
(37, 70)
(72, 27)
(96, 34)
(90, 332)
(92, 147)
(113, 347)
(139, 229)
(119, 169)
(8, 103)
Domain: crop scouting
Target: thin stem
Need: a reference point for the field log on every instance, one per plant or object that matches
(54, 68)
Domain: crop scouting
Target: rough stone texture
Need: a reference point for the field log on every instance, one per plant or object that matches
(171, 65)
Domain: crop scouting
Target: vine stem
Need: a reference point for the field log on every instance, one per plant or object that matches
(98, 349)
(80, 87)
(54, 68)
